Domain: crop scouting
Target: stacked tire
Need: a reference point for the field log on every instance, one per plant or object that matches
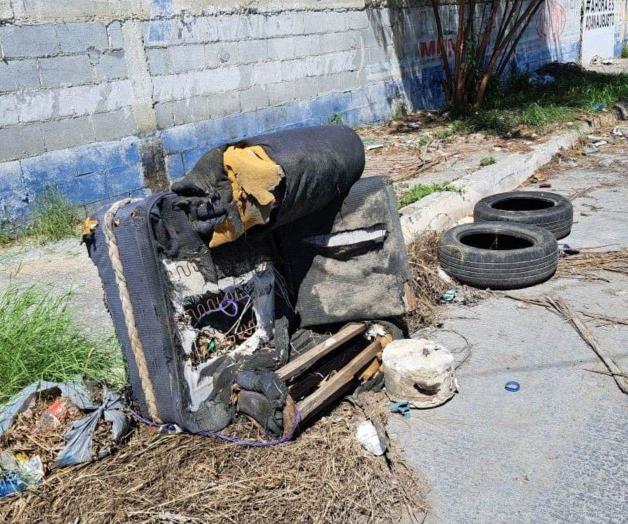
(512, 243)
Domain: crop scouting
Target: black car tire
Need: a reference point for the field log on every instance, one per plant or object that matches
(498, 255)
(540, 208)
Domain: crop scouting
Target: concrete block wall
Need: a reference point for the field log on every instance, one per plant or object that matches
(102, 99)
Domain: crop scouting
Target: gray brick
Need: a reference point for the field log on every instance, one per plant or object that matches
(331, 42)
(191, 110)
(158, 61)
(186, 58)
(67, 133)
(252, 51)
(29, 41)
(18, 74)
(80, 36)
(65, 70)
(337, 82)
(282, 48)
(114, 125)
(281, 93)
(307, 45)
(267, 73)
(356, 20)
(204, 108)
(254, 98)
(221, 54)
(114, 32)
(306, 87)
(20, 142)
(165, 117)
(110, 65)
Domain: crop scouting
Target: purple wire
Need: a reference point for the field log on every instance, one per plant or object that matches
(229, 438)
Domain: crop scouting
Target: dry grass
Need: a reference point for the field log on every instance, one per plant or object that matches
(587, 265)
(323, 476)
(426, 283)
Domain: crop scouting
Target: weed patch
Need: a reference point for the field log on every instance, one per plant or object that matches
(487, 161)
(38, 341)
(519, 103)
(54, 217)
(420, 191)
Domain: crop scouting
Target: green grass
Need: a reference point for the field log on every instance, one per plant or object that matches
(517, 103)
(420, 191)
(624, 51)
(38, 341)
(54, 217)
(487, 161)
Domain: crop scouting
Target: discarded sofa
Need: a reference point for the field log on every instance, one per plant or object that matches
(211, 287)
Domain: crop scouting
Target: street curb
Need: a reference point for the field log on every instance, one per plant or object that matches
(440, 211)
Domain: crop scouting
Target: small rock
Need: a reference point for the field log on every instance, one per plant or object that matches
(600, 143)
(369, 439)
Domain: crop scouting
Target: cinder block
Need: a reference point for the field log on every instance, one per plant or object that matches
(282, 48)
(158, 61)
(110, 65)
(71, 132)
(114, 32)
(33, 106)
(114, 125)
(281, 93)
(321, 22)
(18, 74)
(343, 81)
(80, 36)
(230, 27)
(165, 117)
(331, 42)
(186, 58)
(83, 100)
(356, 19)
(195, 83)
(65, 70)
(20, 142)
(29, 41)
(267, 73)
(252, 51)
(191, 110)
(300, 68)
(306, 88)
(254, 98)
(307, 45)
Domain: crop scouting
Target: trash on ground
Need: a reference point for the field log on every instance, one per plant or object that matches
(63, 423)
(622, 108)
(403, 408)
(19, 472)
(369, 439)
(449, 295)
(420, 372)
(536, 79)
(512, 386)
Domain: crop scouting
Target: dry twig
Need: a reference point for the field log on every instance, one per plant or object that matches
(323, 476)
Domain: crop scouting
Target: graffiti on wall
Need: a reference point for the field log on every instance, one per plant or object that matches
(551, 21)
(599, 14)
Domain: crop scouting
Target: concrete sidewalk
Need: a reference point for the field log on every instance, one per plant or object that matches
(557, 450)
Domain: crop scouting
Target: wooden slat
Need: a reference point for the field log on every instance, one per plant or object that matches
(310, 357)
(337, 382)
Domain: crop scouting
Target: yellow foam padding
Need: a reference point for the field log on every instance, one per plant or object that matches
(253, 176)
